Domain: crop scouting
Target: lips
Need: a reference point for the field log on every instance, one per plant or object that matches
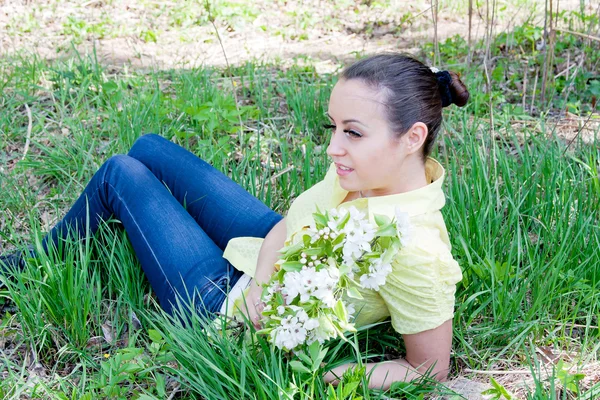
(342, 170)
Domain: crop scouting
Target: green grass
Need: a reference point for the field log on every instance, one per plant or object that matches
(522, 214)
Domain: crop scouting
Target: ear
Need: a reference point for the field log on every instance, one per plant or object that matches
(415, 137)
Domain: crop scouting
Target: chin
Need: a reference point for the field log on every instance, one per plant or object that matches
(348, 186)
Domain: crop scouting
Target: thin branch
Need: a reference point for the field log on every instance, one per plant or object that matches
(578, 133)
(470, 55)
(29, 126)
(581, 35)
(436, 47)
(211, 18)
(478, 371)
(277, 175)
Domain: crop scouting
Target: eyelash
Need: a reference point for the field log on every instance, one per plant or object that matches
(352, 133)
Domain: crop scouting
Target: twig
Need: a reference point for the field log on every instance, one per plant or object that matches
(548, 51)
(566, 70)
(436, 47)
(211, 18)
(524, 100)
(28, 137)
(582, 35)
(517, 372)
(566, 324)
(277, 175)
(174, 392)
(578, 132)
(537, 75)
(470, 55)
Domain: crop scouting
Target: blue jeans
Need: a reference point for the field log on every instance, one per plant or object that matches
(179, 213)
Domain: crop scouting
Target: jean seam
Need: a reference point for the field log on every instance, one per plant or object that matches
(142, 235)
(87, 206)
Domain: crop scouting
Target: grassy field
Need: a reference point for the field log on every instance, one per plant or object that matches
(523, 191)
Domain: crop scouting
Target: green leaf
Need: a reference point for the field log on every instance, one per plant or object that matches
(340, 311)
(291, 266)
(331, 393)
(344, 221)
(354, 293)
(339, 239)
(314, 251)
(349, 388)
(304, 357)
(314, 350)
(109, 87)
(288, 251)
(144, 396)
(297, 366)
(265, 331)
(322, 352)
(155, 336)
(306, 240)
(381, 220)
(387, 230)
(160, 385)
(320, 219)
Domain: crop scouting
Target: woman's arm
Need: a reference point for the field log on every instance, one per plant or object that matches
(267, 257)
(425, 351)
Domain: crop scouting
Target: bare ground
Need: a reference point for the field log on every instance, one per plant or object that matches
(153, 34)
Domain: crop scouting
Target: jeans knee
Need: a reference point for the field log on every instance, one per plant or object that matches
(147, 139)
(147, 146)
(121, 165)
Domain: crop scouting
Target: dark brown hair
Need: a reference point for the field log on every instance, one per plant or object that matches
(413, 92)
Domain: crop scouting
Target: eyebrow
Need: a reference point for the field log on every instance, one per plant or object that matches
(347, 121)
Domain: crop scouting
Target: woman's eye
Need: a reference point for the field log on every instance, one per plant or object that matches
(352, 133)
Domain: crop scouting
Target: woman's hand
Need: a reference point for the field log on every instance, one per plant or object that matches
(267, 257)
(254, 305)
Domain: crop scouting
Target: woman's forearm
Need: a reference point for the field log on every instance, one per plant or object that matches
(383, 374)
(267, 257)
(269, 253)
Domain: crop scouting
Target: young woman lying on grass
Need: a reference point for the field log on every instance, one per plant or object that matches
(385, 113)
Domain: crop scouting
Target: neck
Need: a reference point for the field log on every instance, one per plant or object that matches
(411, 176)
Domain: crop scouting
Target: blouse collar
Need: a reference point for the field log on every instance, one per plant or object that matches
(428, 198)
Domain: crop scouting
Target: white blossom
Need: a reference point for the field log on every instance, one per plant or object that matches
(376, 277)
(289, 334)
(315, 288)
(403, 226)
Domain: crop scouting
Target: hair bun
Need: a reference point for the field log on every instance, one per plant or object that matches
(452, 89)
(458, 90)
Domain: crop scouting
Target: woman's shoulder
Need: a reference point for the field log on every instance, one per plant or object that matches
(428, 253)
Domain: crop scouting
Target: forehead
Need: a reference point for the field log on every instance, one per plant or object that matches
(356, 99)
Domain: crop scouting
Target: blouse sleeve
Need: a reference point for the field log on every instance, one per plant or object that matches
(419, 292)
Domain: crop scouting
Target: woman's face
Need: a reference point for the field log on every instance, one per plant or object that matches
(362, 145)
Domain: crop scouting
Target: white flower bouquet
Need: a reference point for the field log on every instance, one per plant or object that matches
(341, 252)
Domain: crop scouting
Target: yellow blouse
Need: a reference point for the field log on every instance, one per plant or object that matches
(419, 292)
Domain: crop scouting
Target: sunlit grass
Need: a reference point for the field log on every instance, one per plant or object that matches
(522, 213)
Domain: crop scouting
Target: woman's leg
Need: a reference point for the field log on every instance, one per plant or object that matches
(177, 256)
(221, 207)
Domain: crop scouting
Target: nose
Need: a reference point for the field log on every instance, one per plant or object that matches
(335, 148)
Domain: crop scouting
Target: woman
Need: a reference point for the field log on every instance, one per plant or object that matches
(385, 113)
